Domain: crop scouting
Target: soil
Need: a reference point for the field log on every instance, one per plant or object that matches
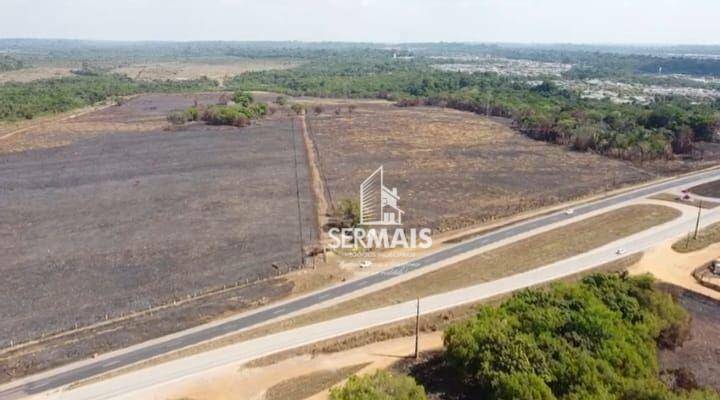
(710, 189)
(111, 222)
(700, 354)
(452, 168)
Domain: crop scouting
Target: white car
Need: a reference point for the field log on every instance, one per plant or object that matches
(620, 252)
(569, 211)
(365, 264)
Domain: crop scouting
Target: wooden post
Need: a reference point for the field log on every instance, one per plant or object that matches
(697, 222)
(417, 329)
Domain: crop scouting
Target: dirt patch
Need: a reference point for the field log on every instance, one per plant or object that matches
(454, 169)
(34, 74)
(219, 70)
(304, 386)
(710, 189)
(114, 223)
(700, 354)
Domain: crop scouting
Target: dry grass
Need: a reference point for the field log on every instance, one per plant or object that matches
(34, 74)
(432, 154)
(219, 71)
(304, 386)
(693, 202)
(523, 255)
(710, 189)
(707, 236)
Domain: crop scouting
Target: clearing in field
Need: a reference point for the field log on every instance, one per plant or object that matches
(218, 70)
(104, 223)
(453, 169)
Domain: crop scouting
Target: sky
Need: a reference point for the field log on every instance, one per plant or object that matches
(389, 21)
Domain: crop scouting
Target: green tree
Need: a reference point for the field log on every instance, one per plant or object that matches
(242, 98)
(379, 386)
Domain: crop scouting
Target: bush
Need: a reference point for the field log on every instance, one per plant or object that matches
(379, 386)
(235, 115)
(297, 108)
(281, 100)
(243, 98)
(349, 212)
(177, 117)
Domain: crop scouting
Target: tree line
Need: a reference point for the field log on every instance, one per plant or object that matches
(28, 100)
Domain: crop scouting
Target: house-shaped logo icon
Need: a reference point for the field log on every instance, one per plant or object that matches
(379, 204)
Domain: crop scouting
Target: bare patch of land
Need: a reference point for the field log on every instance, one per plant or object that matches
(710, 189)
(454, 169)
(34, 74)
(699, 355)
(115, 222)
(218, 70)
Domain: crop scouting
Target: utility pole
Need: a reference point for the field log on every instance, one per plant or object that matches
(417, 329)
(697, 222)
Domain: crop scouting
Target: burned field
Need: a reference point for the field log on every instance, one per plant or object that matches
(115, 222)
(697, 357)
(454, 169)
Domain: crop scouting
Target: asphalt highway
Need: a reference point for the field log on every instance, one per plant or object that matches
(67, 376)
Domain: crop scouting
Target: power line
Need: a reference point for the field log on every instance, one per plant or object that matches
(297, 192)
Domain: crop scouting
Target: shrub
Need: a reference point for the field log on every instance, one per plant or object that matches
(297, 108)
(243, 98)
(177, 117)
(280, 100)
(349, 212)
(192, 114)
(379, 386)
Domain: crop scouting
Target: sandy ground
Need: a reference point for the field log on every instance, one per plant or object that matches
(34, 74)
(237, 382)
(218, 71)
(672, 267)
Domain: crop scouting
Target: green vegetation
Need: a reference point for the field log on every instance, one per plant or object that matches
(379, 386)
(544, 112)
(8, 63)
(28, 100)
(348, 213)
(238, 114)
(596, 339)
